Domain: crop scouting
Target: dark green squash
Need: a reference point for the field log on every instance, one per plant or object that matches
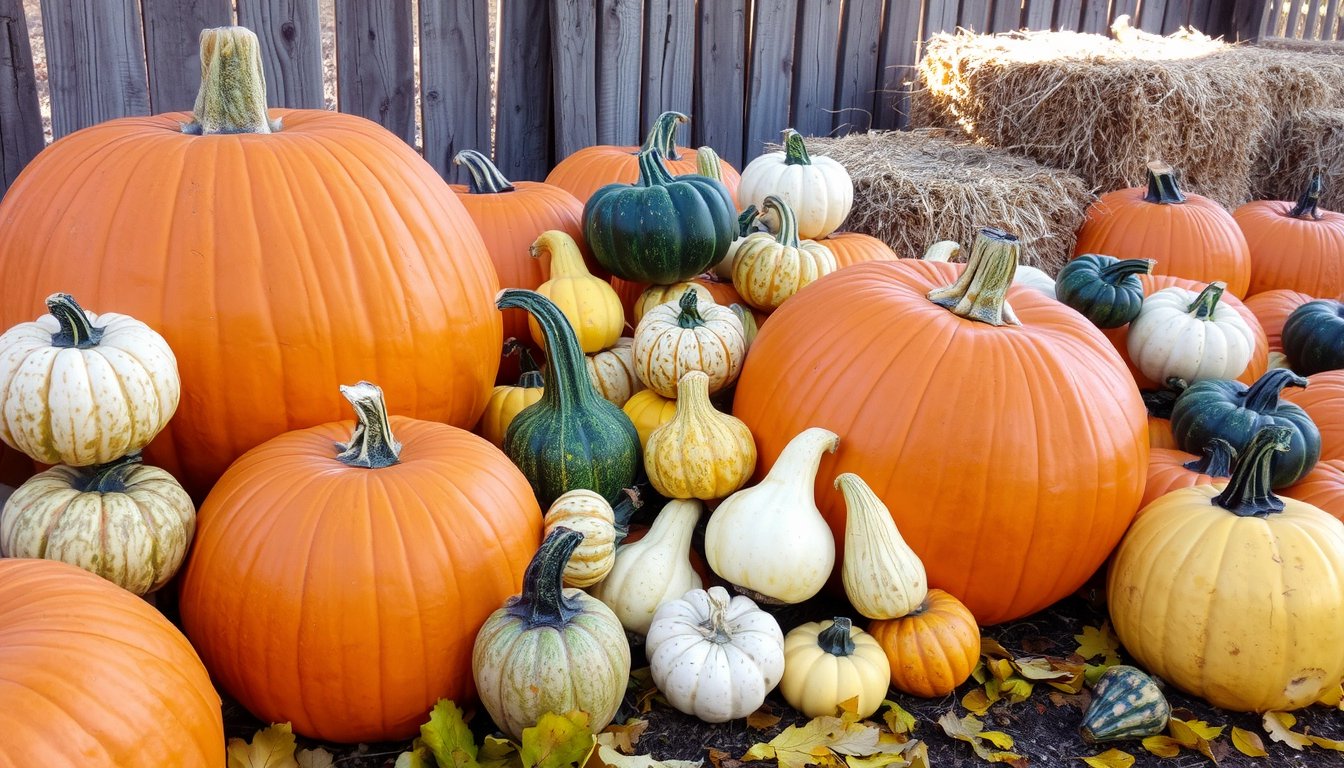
(1126, 704)
(1104, 289)
(659, 230)
(1234, 412)
(1313, 336)
(571, 437)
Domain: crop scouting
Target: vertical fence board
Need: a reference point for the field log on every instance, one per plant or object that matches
(375, 73)
(900, 52)
(291, 49)
(1177, 16)
(1199, 15)
(523, 132)
(1331, 18)
(1069, 15)
(620, 30)
(1128, 8)
(939, 16)
(454, 81)
(669, 58)
(720, 78)
(574, 68)
(771, 75)
(1294, 18)
(815, 66)
(1007, 16)
(1096, 17)
(95, 62)
(857, 70)
(1313, 15)
(20, 116)
(1151, 14)
(172, 45)
(974, 15)
(1039, 14)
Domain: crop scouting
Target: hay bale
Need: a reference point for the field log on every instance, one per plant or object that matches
(913, 188)
(1333, 47)
(1308, 142)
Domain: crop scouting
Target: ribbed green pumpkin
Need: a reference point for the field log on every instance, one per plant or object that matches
(659, 230)
(1235, 412)
(1313, 337)
(1126, 704)
(571, 437)
(1104, 289)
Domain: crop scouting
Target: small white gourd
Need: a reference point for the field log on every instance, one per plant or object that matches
(653, 570)
(883, 577)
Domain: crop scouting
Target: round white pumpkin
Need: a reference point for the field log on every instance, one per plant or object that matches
(588, 513)
(686, 335)
(1190, 336)
(818, 189)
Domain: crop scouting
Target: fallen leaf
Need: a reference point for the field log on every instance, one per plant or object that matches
(1162, 746)
(271, 747)
(1079, 701)
(1111, 758)
(418, 757)
(1182, 733)
(1099, 642)
(448, 738)
(557, 741)
(1092, 672)
(1333, 697)
(1248, 743)
(498, 753)
(918, 754)
(646, 692)
(762, 719)
(314, 758)
(1016, 690)
(1001, 669)
(1037, 644)
(623, 737)
(611, 758)
(897, 719)
(1279, 727)
(1039, 669)
(990, 649)
(970, 730)
(820, 742)
(720, 759)
(880, 760)
(1204, 730)
(977, 701)
(1321, 741)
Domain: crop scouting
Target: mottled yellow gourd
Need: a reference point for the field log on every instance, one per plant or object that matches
(588, 513)
(767, 269)
(589, 303)
(649, 411)
(662, 294)
(613, 372)
(701, 453)
(883, 577)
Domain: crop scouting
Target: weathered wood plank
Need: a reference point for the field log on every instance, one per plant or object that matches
(1177, 16)
(1069, 15)
(900, 52)
(771, 73)
(523, 132)
(574, 73)
(1007, 16)
(940, 16)
(1096, 17)
(974, 15)
(858, 65)
(1313, 16)
(20, 116)
(1331, 20)
(720, 79)
(375, 69)
(1199, 14)
(291, 49)
(669, 59)
(95, 62)
(1128, 8)
(620, 35)
(1151, 14)
(814, 70)
(454, 81)
(1246, 17)
(172, 45)
(1039, 14)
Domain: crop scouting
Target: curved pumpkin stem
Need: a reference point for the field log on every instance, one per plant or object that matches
(543, 602)
(1219, 455)
(486, 179)
(652, 172)
(981, 292)
(835, 639)
(631, 500)
(1263, 395)
(232, 98)
(795, 151)
(1159, 401)
(1307, 204)
(109, 477)
(690, 312)
(1118, 271)
(663, 134)
(1162, 186)
(707, 164)
(787, 233)
(1248, 493)
(566, 367)
(746, 220)
(530, 377)
(372, 444)
(1202, 308)
(76, 332)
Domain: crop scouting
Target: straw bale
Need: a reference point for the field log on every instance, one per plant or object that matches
(1310, 141)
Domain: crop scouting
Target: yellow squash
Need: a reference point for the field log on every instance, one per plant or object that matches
(613, 372)
(701, 453)
(588, 513)
(768, 269)
(649, 411)
(506, 402)
(689, 336)
(589, 303)
(883, 577)
(827, 663)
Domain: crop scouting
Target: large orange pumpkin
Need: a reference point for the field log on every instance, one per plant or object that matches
(1012, 457)
(1272, 309)
(1323, 400)
(856, 248)
(93, 676)
(276, 263)
(1189, 236)
(1295, 246)
(339, 586)
(1322, 487)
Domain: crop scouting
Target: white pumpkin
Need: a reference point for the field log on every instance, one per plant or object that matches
(83, 389)
(686, 335)
(1190, 336)
(818, 189)
(653, 570)
(613, 372)
(127, 522)
(1026, 275)
(588, 513)
(714, 657)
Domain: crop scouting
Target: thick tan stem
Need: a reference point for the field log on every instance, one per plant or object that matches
(232, 98)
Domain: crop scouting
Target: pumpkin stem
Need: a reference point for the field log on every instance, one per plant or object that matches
(1248, 493)
(77, 331)
(795, 151)
(486, 179)
(787, 235)
(624, 510)
(980, 293)
(715, 629)
(1307, 204)
(1159, 401)
(1115, 272)
(835, 639)
(746, 220)
(1162, 186)
(232, 98)
(1219, 455)
(543, 602)
(529, 376)
(690, 310)
(1263, 395)
(566, 368)
(109, 477)
(1206, 302)
(652, 172)
(372, 444)
(663, 135)
(707, 164)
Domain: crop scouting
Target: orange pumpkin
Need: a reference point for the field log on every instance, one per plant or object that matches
(1323, 487)
(933, 649)
(1272, 309)
(1170, 470)
(1012, 457)
(341, 588)
(856, 248)
(276, 263)
(91, 675)
(1159, 433)
(1296, 246)
(591, 168)
(1190, 236)
(1323, 400)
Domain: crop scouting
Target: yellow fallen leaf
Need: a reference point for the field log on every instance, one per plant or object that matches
(448, 738)
(1333, 697)
(822, 741)
(1321, 741)
(1204, 730)
(990, 649)
(970, 730)
(977, 701)
(1016, 690)
(1162, 746)
(557, 741)
(1100, 642)
(418, 757)
(271, 747)
(1279, 727)
(762, 719)
(1111, 758)
(607, 757)
(880, 760)
(498, 753)
(1001, 669)
(1248, 743)
(1182, 733)
(896, 718)
(623, 737)
(314, 758)
(1039, 670)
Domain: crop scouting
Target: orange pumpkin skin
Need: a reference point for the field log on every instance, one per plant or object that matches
(591, 168)
(1323, 400)
(856, 248)
(1167, 473)
(1323, 487)
(1296, 253)
(1159, 434)
(347, 600)
(289, 262)
(864, 354)
(933, 649)
(91, 675)
(1272, 309)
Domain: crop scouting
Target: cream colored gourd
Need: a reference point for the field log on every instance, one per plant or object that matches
(588, 513)
(818, 189)
(653, 570)
(127, 522)
(714, 657)
(612, 372)
(749, 326)
(702, 453)
(827, 663)
(1026, 275)
(675, 338)
(662, 294)
(83, 389)
(589, 303)
(770, 538)
(1190, 336)
(883, 577)
(768, 269)
(649, 410)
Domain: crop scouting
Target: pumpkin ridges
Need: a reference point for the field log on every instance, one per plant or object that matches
(1323, 400)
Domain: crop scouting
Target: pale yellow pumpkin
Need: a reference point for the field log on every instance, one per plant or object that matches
(613, 372)
(701, 453)
(673, 339)
(883, 577)
(827, 663)
(649, 411)
(589, 303)
(662, 294)
(588, 513)
(768, 269)
(507, 401)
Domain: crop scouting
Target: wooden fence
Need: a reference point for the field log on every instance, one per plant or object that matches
(533, 80)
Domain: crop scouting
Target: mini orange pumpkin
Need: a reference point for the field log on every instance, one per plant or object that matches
(933, 649)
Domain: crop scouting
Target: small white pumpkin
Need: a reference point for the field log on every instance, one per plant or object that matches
(714, 657)
(83, 389)
(687, 335)
(818, 189)
(827, 663)
(653, 570)
(613, 372)
(770, 268)
(1026, 275)
(1190, 336)
(883, 577)
(588, 513)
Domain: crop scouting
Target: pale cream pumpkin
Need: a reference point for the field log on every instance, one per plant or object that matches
(613, 372)
(768, 269)
(662, 294)
(818, 188)
(649, 411)
(673, 339)
(749, 325)
(588, 513)
(701, 453)
(883, 577)
(827, 663)
(1190, 336)
(588, 302)
(653, 570)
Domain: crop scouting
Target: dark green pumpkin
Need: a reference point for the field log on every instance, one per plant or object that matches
(1313, 337)
(659, 230)
(1126, 704)
(571, 437)
(1235, 412)
(1104, 289)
